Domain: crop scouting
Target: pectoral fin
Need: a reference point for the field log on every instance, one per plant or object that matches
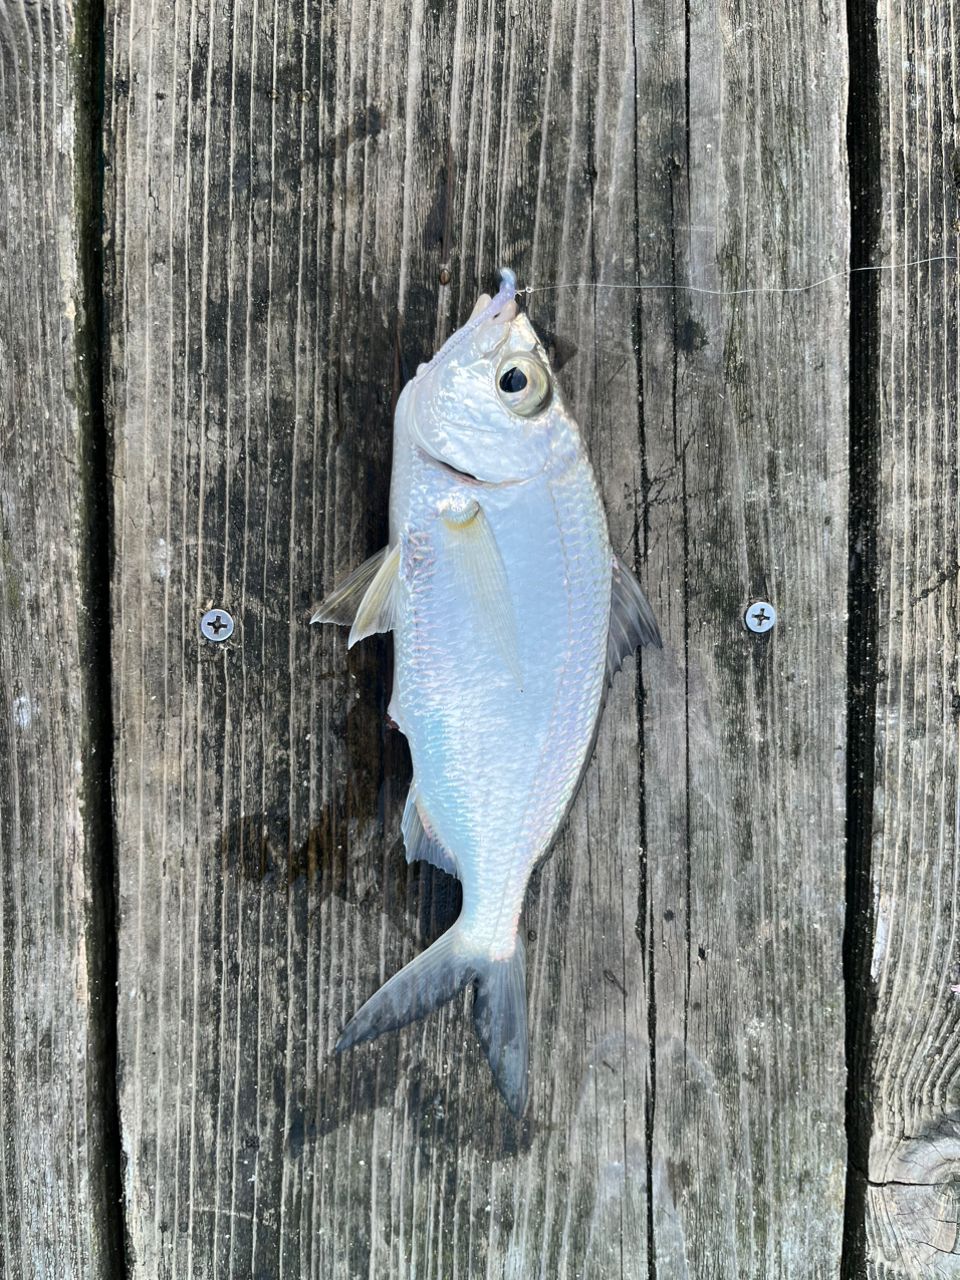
(480, 567)
(631, 619)
(341, 605)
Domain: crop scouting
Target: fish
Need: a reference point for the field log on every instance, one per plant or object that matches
(511, 614)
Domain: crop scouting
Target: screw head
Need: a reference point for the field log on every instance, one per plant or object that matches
(216, 625)
(760, 617)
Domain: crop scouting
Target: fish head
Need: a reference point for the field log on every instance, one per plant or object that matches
(488, 404)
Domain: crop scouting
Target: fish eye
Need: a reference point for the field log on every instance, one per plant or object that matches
(513, 380)
(523, 384)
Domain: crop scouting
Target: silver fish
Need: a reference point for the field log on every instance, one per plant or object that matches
(510, 614)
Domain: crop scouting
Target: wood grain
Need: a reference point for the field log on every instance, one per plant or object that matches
(285, 184)
(58, 1211)
(742, 442)
(914, 1034)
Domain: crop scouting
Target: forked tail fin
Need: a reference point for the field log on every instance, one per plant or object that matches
(433, 978)
(500, 1018)
(430, 980)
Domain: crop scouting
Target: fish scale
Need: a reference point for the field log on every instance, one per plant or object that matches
(496, 765)
(509, 613)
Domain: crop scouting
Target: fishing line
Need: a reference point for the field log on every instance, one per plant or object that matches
(737, 293)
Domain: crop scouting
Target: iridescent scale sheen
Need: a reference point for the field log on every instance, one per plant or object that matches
(496, 758)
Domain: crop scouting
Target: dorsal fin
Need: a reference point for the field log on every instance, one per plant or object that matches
(631, 619)
(341, 605)
(420, 842)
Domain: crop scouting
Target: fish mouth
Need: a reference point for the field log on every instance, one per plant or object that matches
(429, 426)
(504, 296)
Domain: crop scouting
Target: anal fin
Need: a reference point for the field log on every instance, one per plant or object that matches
(420, 842)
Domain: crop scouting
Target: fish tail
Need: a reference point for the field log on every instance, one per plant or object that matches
(436, 976)
(427, 982)
(500, 1019)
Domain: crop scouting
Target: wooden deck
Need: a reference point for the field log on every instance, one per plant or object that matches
(229, 229)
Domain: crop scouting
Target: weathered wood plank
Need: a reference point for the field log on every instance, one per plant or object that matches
(743, 455)
(58, 1197)
(285, 184)
(913, 1221)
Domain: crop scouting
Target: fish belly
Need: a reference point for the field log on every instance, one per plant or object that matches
(496, 759)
